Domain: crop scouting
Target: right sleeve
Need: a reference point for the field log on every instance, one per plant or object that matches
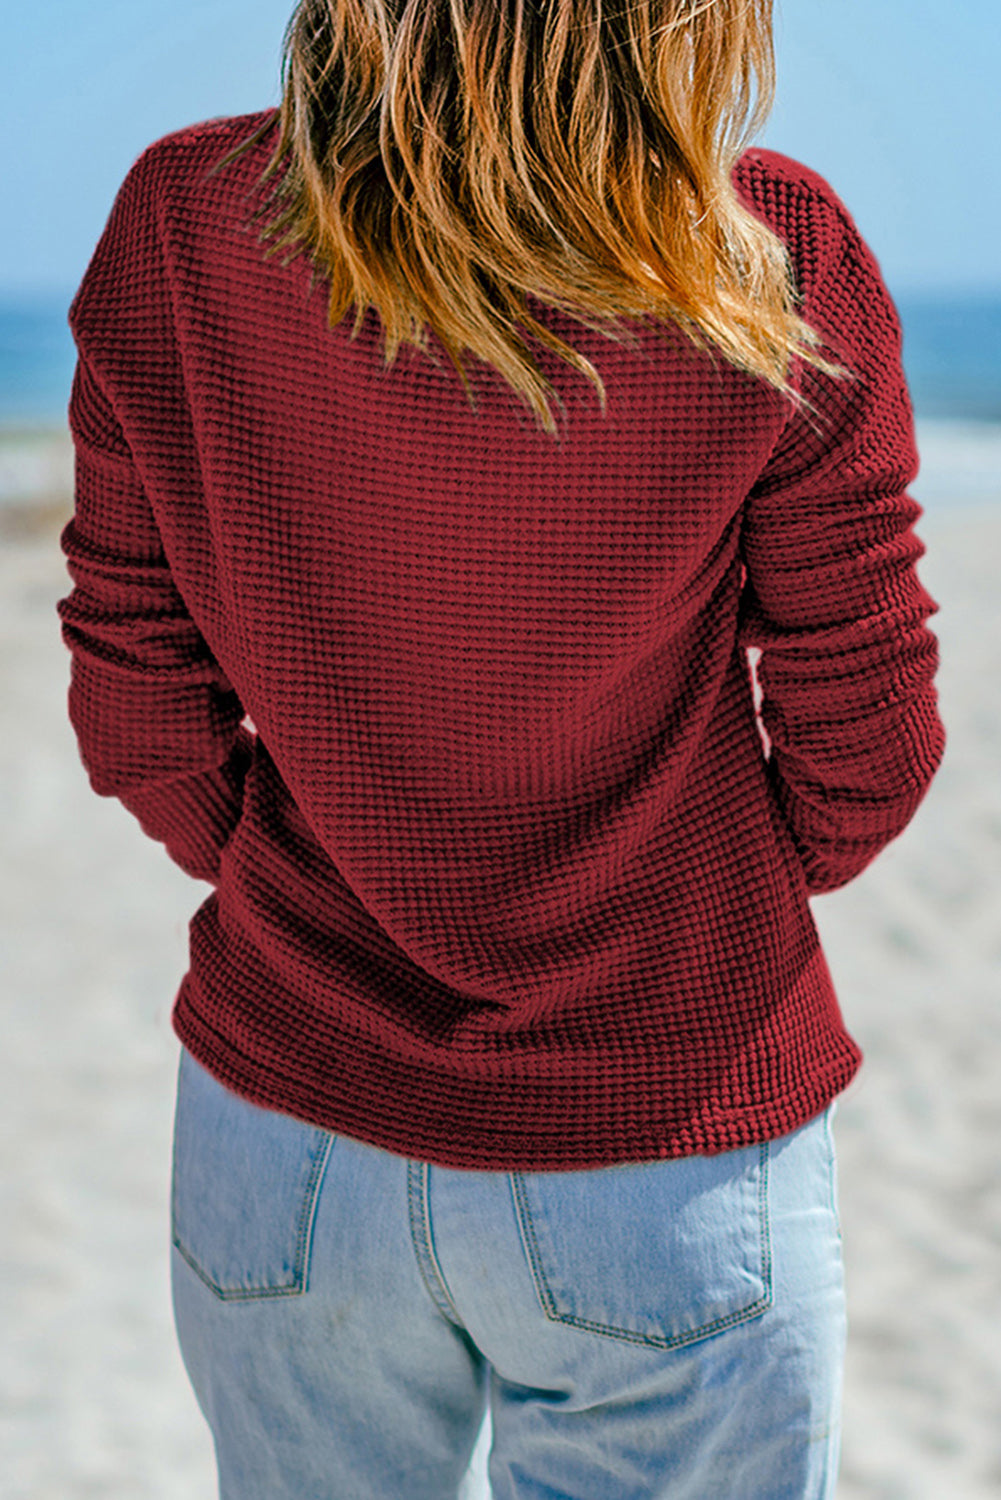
(832, 598)
(158, 724)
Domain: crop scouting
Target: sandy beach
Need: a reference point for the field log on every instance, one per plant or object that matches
(94, 1403)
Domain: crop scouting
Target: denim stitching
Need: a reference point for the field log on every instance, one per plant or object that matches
(764, 1219)
(420, 1235)
(625, 1335)
(307, 1219)
(524, 1216)
(299, 1284)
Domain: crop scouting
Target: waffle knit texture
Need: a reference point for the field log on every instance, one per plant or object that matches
(510, 852)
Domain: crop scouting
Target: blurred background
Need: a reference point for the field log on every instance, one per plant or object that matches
(896, 105)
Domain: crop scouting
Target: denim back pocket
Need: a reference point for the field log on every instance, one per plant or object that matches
(245, 1187)
(660, 1253)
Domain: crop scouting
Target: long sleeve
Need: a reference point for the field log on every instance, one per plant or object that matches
(157, 723)
(832, 597)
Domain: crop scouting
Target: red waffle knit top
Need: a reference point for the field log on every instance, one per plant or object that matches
(459, 721)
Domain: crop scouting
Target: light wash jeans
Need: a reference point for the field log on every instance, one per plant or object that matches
(670, 1329)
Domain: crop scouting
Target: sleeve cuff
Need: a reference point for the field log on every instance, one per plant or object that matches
(195, 816)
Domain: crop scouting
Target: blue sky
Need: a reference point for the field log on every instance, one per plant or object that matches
(894, 101)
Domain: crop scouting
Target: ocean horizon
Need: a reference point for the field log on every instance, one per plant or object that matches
(952, 359)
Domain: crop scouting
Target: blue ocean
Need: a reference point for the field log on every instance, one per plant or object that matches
(952, 357)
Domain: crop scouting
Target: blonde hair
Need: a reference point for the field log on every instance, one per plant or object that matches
(446, 157)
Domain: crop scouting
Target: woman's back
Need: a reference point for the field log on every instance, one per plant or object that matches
(504, 877)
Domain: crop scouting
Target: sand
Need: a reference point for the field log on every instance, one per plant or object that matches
(93, 1398)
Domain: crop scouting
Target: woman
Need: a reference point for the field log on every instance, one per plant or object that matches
(509, 1047)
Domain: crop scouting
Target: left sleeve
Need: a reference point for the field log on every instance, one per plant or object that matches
(832, 597)
(157, 723)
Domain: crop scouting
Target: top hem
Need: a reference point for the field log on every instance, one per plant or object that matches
(560, 1141)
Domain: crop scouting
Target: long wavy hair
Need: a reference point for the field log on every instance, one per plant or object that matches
(444, 158)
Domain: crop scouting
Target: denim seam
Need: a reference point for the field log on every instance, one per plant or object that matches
(764, 1219)
(423, 1243)
(299, 1284)
(625, 1335)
